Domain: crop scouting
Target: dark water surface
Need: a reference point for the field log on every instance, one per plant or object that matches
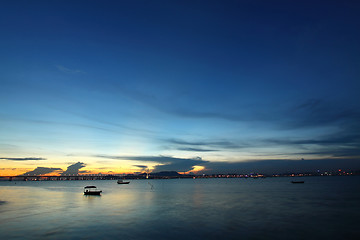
(271, 208)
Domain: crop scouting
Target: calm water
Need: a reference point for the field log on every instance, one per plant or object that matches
(271, 208)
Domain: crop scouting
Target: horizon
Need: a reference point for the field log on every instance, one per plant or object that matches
(126, 87)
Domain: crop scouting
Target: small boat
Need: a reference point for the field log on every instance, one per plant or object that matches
(297, 181)
(91, 190)
(122, 182)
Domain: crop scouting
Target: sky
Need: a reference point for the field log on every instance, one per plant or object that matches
(187, 86)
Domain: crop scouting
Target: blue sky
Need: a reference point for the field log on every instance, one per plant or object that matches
(170, 85)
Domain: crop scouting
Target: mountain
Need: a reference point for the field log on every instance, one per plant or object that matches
(166, 174)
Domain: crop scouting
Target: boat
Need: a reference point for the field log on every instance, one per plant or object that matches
(91, 190)
(122, 182)
(297, 181)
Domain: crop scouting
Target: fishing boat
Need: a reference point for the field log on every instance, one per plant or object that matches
(122, 182)
(297, 181)
(91, 190)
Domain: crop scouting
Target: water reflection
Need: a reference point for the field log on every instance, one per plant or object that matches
(177, 209)
(91, 196)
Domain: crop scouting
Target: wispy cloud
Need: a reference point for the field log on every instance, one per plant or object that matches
(111, 128)
(171, 106)
(343, 143)
(206, 146)
(110, 123)
(39, 121)
(309, 104)
(318, 112)
(190, 149)
(310, 113)
(23, 159)
(328, 140)
(68, 70)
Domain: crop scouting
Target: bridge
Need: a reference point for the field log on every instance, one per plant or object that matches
(60, 177)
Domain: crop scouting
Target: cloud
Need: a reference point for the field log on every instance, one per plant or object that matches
(339, 144)
(318, 112)
(196, 149)
(311, 104)
(111, 127)
(189, 113)
(22, 159)
(42, 170)
(179, 165)
(173, 107)
(167, 163)
(74, 168)
(327, 140)
(68, 70)
(209, 145)
(307, 114)
(269, 166)
(142, 167)
(110, 123)
(319, 141)
(345, 142)
(283, 115)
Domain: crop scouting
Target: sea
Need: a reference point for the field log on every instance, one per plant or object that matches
(213, 208)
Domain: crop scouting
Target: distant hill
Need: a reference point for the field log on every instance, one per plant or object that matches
(166, 174)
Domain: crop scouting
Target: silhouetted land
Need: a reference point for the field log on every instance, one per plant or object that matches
(170, 175)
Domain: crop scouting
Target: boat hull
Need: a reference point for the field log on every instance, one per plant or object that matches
(92, 193)
(123, 182)
(297, 181)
